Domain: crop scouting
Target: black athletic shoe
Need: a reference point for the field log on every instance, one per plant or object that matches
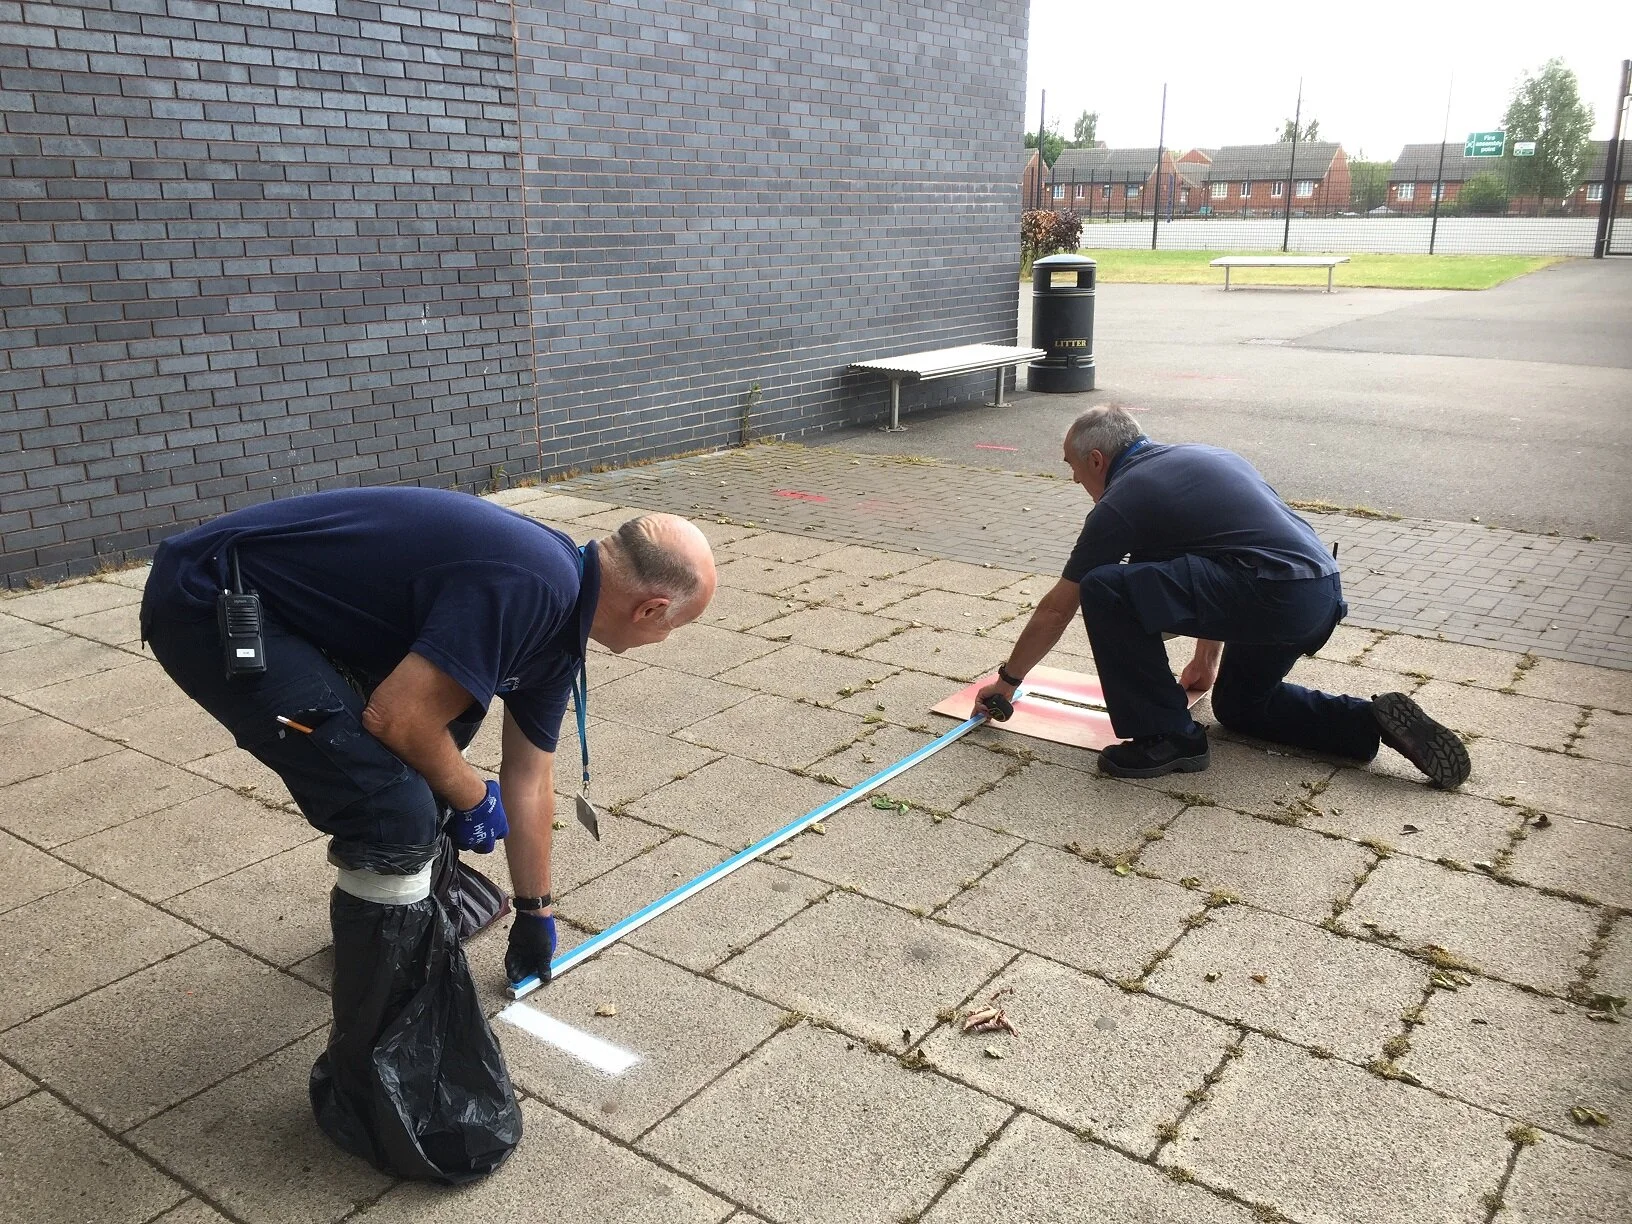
(1432, 747)
(1151, 756)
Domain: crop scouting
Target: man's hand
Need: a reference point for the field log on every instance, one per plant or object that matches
(532, 947)
(1201, 672)
(482, 827)
(997, 688)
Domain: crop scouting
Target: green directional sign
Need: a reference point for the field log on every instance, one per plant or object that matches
(1484, 144)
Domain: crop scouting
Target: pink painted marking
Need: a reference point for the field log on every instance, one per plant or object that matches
(994, 446)
(800, 496)
(1042, 714)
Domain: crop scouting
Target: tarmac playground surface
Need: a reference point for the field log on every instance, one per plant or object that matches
(1286, 988)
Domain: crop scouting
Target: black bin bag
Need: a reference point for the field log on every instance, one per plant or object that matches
(413, 1080)
(475, 902)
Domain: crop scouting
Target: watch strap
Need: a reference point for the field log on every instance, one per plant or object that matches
(533, 903)
(1003, 675)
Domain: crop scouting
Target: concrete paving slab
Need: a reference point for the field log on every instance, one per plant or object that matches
(738, 610)
(968, 579)
(779, 546)
(1614, 964)
(68, 803)
(114, 626)
(760, 1133)
(179, 732)
(1044, 1175)
(1590, 860)
(1056, 905)
(59, 1169)
(905, 699)
(662, 700)
(132, 1049)
(16, 633)
(1552, 782)
(1362, 805)
(1348, 644)
(1557, 680)
(637, 882)
(552, 507)
(954, 610)
(722, 531)
(941, 652)
(870, 969)
(826, 628)
(576, 857)
(1504, 716)
(702, 650)
(1251, 777)
(167, 852)
(942, 782)
(277, 909)
(908, 859)
(1513, 933)
(859, 561)
(1304, 1135)
(27, 874)
(1449, 661)
(1088, 1055)
(1557, 1182)
(629, 762)
(686, 1029)
(1317, 989)
(193, 1211)
(79, 940)
(250, 1144)
(805, 674)
(1061, 807)
(69, 599)
(236, 769)
(1332, 676)
(855, 594)
(727, 916)
(14, 1085)
(776, 731)
(625, 1187)
(1607, 737)
(764, 575)
(134, 577)
(733, 802)
(1526, 1056)
(11, 712)
(1289, 871)
(36, 745)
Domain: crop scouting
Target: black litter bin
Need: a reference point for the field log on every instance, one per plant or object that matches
(1062, 323)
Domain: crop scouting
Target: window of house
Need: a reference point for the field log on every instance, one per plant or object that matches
(1595, 191)
(1305, 188)
(1082, 190)
(1133, 191)
(1437, 191)
(1220, 190)
(1246, 190)
(1626, 192)
(1405, 191)
(1105, 192)
(1059, 191)
(1277, 189)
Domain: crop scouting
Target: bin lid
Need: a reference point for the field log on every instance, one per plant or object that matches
(1061, 262)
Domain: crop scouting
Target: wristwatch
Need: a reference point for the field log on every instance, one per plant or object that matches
(533, 903)
(1003, 675)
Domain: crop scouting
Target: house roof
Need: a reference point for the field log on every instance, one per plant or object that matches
(1198, 155)
(1598, 160)
(1105, 165)
(1419, 163)
(1271, 161)
(1026, 156)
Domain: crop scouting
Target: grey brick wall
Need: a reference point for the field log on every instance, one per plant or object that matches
(725, 194)
(251, 249)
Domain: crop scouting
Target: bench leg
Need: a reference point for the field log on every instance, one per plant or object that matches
(997, 396)
(895, 425)
(1330, 268)
(1226, 279)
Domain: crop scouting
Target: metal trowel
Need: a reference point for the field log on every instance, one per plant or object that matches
(588, 816)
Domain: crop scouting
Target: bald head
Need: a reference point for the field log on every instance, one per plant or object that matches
(663, 556)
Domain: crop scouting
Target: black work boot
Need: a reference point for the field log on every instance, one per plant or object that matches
(1432, 747)
(1151, 756)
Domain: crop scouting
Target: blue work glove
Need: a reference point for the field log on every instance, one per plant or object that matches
(481, 827)
(532, 947)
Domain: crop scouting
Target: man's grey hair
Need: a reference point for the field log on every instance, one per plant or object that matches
(1107, 429)
(655, 569)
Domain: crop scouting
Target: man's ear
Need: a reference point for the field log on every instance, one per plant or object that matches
(656, 608)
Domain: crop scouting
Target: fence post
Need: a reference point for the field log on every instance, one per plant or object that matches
(1612, 168)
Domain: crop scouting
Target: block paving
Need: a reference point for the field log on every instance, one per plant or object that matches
(1286, 989)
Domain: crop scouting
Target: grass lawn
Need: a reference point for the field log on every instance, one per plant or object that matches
(1362, 271)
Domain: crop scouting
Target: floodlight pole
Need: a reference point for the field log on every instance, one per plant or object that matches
(1161, 140)
(1612, 168)
(1291, 167)
(1042, 158)
(1439, 175)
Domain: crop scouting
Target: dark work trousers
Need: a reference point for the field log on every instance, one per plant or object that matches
(380, 812)
(1265, 627)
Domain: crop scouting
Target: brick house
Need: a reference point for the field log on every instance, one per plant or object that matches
(1112, 182)
(1586, 199)
(1250, 180)
(1417, 169)
(1033, 178)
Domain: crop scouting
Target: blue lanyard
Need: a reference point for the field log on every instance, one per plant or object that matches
(1132, 449)
(580, 688)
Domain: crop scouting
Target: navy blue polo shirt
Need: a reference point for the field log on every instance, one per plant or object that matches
(1165, 501)
(489, 596)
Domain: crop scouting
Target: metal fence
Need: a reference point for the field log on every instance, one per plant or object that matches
(1436, 201)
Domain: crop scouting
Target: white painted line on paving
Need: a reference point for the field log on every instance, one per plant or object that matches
(597, 1052)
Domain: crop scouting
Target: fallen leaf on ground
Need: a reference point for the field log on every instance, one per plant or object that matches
(607, 1009)
(1260, 978)
(1588, 1116)
(993, 1052)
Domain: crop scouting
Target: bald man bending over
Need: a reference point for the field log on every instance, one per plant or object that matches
(391, 618)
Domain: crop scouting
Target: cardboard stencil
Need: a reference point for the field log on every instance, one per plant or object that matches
(1062, 707)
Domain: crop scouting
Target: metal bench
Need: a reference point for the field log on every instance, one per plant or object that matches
(945, 363)
(1329, 262)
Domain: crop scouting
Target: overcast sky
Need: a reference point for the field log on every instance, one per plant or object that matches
(1375, 74)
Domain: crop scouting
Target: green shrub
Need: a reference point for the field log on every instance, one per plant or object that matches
(1484, 195)
(1045, 232)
